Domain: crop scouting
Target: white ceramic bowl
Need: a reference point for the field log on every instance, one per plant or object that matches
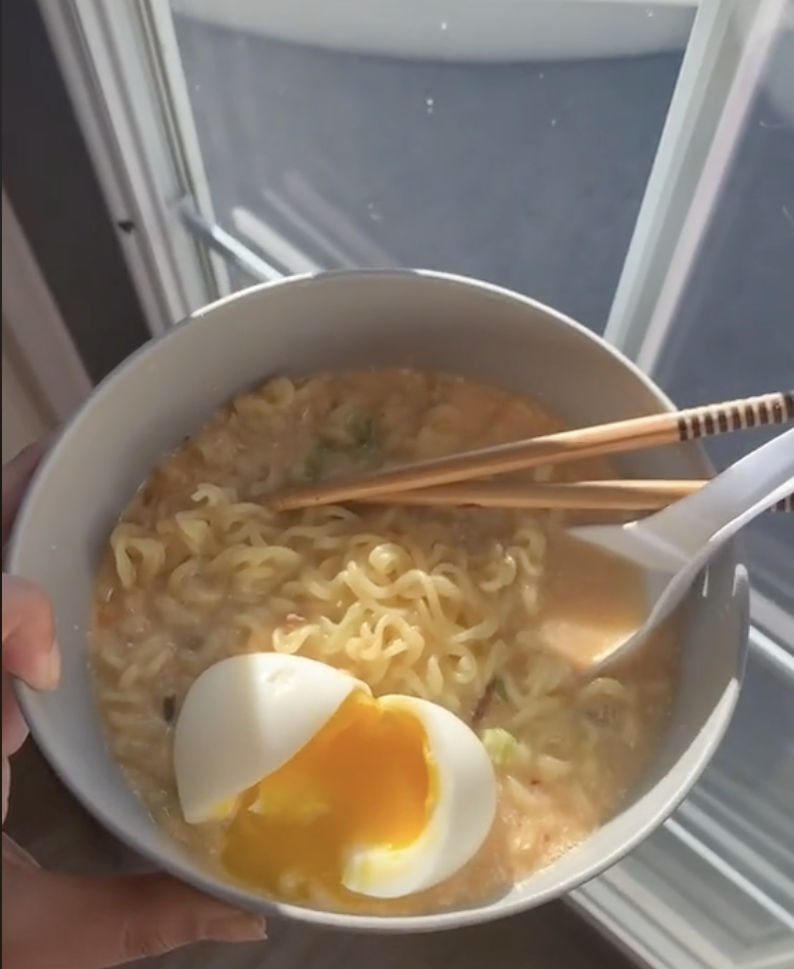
(339, 321)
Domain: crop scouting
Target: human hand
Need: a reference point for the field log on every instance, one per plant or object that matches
(57, 921)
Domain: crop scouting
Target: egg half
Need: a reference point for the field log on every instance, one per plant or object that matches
(323, 785)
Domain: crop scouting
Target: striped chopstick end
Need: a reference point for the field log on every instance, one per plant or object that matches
(739, 415)
(785, 504)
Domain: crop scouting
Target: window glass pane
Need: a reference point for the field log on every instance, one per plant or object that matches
(528, 173)
(734, 332)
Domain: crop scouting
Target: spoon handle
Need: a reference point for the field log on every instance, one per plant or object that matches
(753, 484)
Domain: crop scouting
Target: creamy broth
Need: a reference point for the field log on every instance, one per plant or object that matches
(502, 609)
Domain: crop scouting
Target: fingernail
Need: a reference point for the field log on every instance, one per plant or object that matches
(237, 928)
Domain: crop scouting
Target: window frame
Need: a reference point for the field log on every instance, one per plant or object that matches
(146, 163)
(717, 82)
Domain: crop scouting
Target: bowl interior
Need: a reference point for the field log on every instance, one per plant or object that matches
(344, 321)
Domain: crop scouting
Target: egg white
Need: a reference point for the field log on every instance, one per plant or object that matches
(243, 719)
(247, 716)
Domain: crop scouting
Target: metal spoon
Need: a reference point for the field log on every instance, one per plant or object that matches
(674, 545)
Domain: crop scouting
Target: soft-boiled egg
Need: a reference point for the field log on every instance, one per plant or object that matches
(321, 784)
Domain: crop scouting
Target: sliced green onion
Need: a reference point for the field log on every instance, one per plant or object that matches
(501, 745)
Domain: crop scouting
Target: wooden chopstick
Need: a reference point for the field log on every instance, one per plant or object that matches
(623, 495)
(587, 442)
(785, 504)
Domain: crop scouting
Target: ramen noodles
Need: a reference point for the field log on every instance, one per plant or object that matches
(485, 612)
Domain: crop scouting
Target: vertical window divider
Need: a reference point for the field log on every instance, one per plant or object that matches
(719, 76)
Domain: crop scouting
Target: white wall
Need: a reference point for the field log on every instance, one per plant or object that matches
(43, 376)
(26, 416)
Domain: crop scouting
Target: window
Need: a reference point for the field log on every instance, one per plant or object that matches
(631, 163)
(472, 168)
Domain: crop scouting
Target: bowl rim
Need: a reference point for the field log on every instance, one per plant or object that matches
(488, 911)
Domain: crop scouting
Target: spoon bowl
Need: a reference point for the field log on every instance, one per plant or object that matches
(674, 545)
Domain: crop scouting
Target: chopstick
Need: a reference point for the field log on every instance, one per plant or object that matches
(785, 504)
(623, 495)
(588, 442)
(628, 495)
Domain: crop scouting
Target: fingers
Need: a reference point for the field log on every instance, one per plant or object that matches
(55, 921)
(6, 787)
(29, 649)
(147, 915)
(17, 475)
(15, 730)
(30, 653)
(15, 856)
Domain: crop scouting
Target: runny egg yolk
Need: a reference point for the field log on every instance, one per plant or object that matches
(366, 779)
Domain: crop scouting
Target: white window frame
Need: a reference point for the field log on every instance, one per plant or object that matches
(152, 174)
(126, 101)
(719, 76)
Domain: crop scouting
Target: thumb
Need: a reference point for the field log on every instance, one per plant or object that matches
(53, 921)
(29, 650)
